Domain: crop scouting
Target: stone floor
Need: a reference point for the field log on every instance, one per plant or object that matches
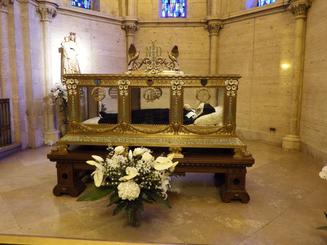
(287, 203)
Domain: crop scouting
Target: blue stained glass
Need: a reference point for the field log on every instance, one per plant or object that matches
(85, 4)
(173, 9)
(265, 2)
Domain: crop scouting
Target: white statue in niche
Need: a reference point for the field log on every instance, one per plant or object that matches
(70, 63)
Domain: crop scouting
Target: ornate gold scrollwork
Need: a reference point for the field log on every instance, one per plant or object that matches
(71, 85)
(176, 126)
(123, 87)
(204, 130)
(231, 87)
(153, 63)
(240, 153)
(98, 93)
(60, 149)
(176, 87)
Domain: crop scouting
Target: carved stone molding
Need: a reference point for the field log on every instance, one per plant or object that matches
(214, 27)
(300, 7)
(4, 5)
(47, 11)
(130, 27)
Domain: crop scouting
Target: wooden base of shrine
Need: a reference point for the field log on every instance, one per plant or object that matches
(230, 173)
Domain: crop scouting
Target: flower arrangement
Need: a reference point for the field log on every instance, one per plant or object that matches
(59, 96)
(131, 178)
(323, 175)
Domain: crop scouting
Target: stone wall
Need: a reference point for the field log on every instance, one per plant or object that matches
(26, 80)
(257, 48)
(101, 44)
(314, 105)
(193, 43)
(257, 43)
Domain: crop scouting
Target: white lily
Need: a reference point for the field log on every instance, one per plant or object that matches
(147, 157)
(163, 163)
(99, 171)
(139, 151)
(97, 158)
(130, 155)
(98, 177)
(131, 173)
(172, 168)
(96, 164)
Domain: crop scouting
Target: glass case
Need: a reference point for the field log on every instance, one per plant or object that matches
(153, 110)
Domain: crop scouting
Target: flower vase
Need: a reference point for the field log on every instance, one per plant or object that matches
(133, 216)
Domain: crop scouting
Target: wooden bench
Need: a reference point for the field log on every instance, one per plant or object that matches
(230, 173)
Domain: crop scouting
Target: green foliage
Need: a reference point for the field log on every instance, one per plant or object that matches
(94, 193)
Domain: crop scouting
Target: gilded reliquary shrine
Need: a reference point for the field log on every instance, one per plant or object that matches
(154, 104)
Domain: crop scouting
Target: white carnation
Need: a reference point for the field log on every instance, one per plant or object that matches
(128, 190)
(119, 150)
(323, 173)
(120, 159)
(112, 163)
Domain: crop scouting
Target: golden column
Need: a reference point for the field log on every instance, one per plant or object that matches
(299, 8)
(47, 11)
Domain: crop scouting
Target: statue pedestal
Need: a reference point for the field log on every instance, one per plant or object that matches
(291, 143)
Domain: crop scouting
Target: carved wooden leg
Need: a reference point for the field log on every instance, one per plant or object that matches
(68, 180)
(234, 186)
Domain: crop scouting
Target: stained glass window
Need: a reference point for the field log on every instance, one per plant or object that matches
(173, 8)
(265, 2)
(85, 4)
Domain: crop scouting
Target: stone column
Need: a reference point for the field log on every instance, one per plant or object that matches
(130, 27)
(213, 26)
(131, 8)
(213, 8)
(5, 83)
(130, 24)
(47, 11)
(299, 8)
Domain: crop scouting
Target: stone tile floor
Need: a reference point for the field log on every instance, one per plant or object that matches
(287, 203)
